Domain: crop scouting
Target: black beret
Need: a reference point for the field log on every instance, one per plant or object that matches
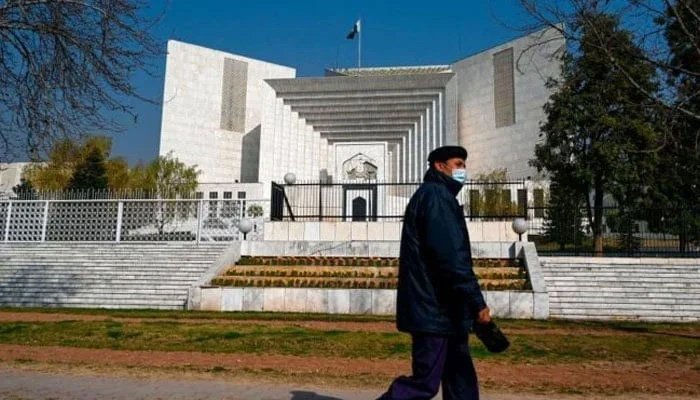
(444, 153)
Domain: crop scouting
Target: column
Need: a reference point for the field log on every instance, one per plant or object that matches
(308, 151)
(315, 153)
(290, 133)
(277, 173)
(397, 162)
(404, 163)
(423, 135)
(411, 147)
(267, 131)
(441, 110)
(434, 127)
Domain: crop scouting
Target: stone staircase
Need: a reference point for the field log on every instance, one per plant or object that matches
(626, 289)
(354, 273)
(86, 275)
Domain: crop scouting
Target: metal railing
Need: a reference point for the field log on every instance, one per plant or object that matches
(640, 232)
(387, 201)
(87, 194)
(129, 220)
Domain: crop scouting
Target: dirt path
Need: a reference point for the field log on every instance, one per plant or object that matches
(25, 384)
(600, 377)
(662, 378)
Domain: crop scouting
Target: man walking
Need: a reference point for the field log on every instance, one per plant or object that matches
(438, 295)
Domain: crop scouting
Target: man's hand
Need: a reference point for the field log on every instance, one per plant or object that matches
(484, 316)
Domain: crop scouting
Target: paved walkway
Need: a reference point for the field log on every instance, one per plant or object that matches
(29, 385)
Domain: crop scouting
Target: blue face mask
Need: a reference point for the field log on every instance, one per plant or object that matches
(460, 175)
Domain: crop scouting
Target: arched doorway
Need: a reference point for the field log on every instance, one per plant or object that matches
(359, 209)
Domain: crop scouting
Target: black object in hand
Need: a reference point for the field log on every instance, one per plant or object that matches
(491, 336)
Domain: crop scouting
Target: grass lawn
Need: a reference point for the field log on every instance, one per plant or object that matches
(533, 342)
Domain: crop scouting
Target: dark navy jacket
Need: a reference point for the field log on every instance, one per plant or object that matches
(438, 292)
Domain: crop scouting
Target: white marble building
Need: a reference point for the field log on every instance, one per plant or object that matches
(10, 176)
(248, 121)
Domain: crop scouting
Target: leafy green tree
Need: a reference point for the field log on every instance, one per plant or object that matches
(677, 181)
(66, 155)
(56, 172)
(564, 217)
(91, 173)
(166, 177)
(118, 175)
(599, 136)
(624, 223)
(25, 190)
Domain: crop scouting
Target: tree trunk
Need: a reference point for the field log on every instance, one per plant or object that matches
(598, 245)
(598, 217)
(683, 234)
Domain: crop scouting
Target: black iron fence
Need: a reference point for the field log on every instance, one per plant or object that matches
(386, 201)
(639, 232)
(555, 231)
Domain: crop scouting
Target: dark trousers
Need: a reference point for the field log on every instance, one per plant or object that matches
(437, 359)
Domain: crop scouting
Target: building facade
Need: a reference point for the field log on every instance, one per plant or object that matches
(10, 176)
(248, 121)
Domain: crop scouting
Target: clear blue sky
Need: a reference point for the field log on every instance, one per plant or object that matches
(310, 36)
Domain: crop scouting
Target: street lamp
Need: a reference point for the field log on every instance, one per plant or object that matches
(290, 178)
(245, 226)
(519, 226)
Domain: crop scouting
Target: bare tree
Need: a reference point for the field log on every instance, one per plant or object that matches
(648, 20)
(66, 69)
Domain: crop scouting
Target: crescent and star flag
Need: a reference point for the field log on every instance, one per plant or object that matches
(355, 30)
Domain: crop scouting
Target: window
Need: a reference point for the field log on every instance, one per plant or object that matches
(503, 88)
(241, 195)
(213, 204)
(199, 195)
(228, 208)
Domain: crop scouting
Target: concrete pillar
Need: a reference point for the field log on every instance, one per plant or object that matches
(389, 165)
(404, 162)
(421, 148)
(331, 164)
(290, 133)
(411, 157)
(441, 114)
(422, 136)
(277, 175)
(416, 151)
(428, 132)
(397, 162)
(308, 152)
(435, 132)
(315, 154)
(266, 135)
(322, 155)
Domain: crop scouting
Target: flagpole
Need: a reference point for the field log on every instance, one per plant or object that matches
(359, 44)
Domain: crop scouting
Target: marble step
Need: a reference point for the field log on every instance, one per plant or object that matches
(623, 294)
(606, 300)
(645, 318)
(95, 289)
(159, 305)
